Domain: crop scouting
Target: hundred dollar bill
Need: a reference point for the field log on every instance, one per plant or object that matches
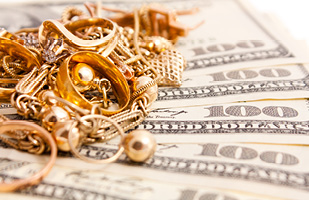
(239, 37)
(7, 109)
(276, 82)
(273, 170)
(68, 183)
(270, 121)
(251, 167)
(233, 35)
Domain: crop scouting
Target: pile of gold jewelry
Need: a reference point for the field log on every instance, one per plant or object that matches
(87, 79)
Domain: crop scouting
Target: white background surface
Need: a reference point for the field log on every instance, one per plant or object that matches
(294, 14)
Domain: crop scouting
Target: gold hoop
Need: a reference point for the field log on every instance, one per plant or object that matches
(101, 64)
(87, 159)
(37, 177)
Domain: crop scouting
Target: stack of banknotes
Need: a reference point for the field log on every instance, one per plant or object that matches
(237, 128)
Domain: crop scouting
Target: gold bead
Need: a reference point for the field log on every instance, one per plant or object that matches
(152, 92)
(139, 145)
(52, 115)
(61, 134)
(82, 74)
(157, 44)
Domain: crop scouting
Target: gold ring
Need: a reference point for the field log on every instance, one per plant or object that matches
(103, 66)
(37, 177)
(104, 45)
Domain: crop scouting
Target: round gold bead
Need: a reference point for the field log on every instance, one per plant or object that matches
(139, 145)
(82, 74)
(157, 44)
(151, 92)
(61, 134)
(52, 115)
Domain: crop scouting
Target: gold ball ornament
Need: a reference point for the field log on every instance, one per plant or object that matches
(139, 145)
(157, 44)
(52, 115)
(61, 134)
(82, 76)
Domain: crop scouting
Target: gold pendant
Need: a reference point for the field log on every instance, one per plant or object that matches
(170, 65)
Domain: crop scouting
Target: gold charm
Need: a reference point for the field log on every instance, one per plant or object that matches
(170, 65)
